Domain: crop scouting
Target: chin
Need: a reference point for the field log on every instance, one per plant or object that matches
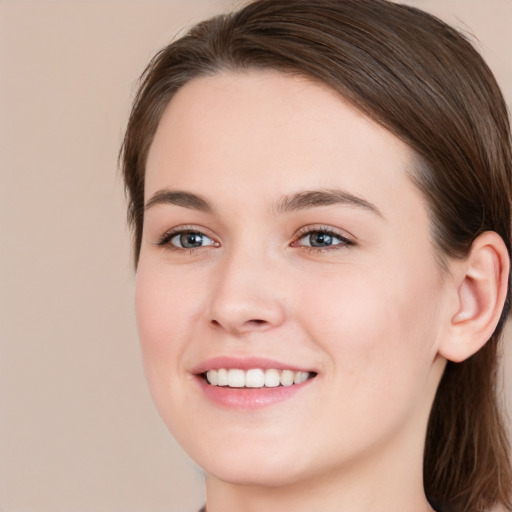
(246, 461)
(249, 472)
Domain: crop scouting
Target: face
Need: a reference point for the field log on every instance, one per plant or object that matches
(284, 242)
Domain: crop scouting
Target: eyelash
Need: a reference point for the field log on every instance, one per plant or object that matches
(344, 241)
(165, 239)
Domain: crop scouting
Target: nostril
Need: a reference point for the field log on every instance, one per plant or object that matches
(238, 327)
(256, 322)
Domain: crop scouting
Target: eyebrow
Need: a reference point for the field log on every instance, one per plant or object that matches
(293, 202)
(179, 198)
(316, 198)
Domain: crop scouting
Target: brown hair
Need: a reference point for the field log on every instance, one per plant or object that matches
(426, 84)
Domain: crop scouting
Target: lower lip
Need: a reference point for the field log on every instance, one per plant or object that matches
(250, 398)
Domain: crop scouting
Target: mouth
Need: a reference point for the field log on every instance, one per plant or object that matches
(241, 383)
(255, 378)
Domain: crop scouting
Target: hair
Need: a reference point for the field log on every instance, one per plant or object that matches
(424, 82)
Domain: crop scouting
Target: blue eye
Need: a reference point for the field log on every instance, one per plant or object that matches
(322, 239)
(190, 240)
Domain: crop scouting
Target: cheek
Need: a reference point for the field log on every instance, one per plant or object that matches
(165, 306)
(166, 311)
(371, 325)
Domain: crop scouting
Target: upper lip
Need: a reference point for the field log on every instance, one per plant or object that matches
(245, 363)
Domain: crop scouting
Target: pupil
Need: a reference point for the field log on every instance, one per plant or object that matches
(189, 240)
(321, 239)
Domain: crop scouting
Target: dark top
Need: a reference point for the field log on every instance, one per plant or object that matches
(438, 507)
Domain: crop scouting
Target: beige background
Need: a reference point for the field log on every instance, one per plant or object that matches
(78, 431)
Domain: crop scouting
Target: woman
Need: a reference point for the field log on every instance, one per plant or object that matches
(320, 197)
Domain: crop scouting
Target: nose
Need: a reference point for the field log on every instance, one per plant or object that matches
(247, 296)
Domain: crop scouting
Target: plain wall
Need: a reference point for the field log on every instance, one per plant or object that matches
(78, 431)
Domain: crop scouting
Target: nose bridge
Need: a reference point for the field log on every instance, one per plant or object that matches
(246, 296)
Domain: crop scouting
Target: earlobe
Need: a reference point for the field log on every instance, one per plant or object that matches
(482, 282)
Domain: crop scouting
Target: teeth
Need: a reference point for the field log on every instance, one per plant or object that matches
(300, 377)
(213, 377)
(222, 377)
(287, 377)
(255, 378)
(272, 379)
(236, 378)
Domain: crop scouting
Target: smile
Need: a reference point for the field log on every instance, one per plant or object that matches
(255, 377)
(250, 383)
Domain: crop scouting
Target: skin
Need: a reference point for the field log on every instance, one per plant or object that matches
(369, 316)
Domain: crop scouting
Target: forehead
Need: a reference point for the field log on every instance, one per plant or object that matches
(265, 133)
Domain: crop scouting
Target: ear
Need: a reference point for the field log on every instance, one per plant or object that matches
(481, 282)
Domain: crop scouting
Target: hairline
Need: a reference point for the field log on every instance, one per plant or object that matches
(413, 171)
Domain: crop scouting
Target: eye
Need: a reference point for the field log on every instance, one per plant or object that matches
(321, 239)
(190, 240)
(185, 239)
